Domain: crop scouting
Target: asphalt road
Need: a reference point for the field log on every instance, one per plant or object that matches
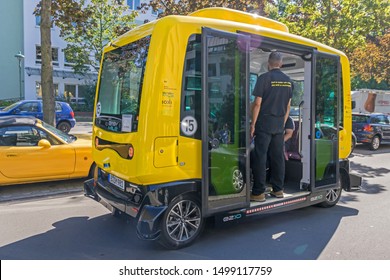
(71, 226)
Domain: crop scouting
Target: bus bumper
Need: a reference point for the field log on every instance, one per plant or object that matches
(149, 222)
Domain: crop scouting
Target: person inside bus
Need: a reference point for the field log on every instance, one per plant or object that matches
(273, 92)
(289, 128)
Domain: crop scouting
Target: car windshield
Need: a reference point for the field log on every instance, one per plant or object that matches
(10, 107)
(120, 87)
(68, 138)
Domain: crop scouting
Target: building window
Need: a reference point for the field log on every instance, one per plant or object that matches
(54, 55)
(38, 90)
(133, 4)
(68, 59)
(38, 21)
(70, 93)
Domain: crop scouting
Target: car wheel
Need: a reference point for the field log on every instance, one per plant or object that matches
(375, 143)
(332, 197)
(238, 180)
(64, 127)
(182, 222)
(353, 144)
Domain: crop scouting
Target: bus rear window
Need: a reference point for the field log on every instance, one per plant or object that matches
(120, 88)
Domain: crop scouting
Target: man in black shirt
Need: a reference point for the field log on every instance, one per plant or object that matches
(273, 92)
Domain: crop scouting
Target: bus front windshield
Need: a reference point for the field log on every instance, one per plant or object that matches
(120, 87)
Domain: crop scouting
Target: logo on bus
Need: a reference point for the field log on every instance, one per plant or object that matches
(317, 197)
(232, 218)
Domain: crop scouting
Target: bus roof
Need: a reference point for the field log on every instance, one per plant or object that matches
(239, 16)
(228, 18)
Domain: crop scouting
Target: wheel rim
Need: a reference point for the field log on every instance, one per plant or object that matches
(375, 143)
(183, 220)
(63, 128)
(238, 180)
(332, 195)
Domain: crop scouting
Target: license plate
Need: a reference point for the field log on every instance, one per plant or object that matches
(117, 181)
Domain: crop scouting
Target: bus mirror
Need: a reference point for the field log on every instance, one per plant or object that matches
(353, 104)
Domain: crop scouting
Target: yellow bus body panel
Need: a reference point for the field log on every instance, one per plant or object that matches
(159, 115)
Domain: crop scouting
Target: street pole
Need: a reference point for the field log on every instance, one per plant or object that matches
(20, 57)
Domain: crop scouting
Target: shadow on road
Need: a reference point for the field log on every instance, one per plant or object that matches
(296, 235)
(369, 171)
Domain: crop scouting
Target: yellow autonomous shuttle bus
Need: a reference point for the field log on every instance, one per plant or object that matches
(172, 115)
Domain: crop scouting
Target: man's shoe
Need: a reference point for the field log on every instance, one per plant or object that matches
(278, 194)
(258, 198)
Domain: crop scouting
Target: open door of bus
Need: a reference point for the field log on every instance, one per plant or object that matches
(225, 121)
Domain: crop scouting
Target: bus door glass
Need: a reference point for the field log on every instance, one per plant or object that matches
(225, 137)
(325, 156)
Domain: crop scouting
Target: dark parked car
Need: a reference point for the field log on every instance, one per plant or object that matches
(64, 113)
(371, 129)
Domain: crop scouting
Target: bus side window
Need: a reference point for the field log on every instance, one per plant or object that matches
(192, 85)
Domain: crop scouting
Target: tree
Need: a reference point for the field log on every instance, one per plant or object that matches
(47, 68)
(184, 7)
(346, 25)
(371, 64)
(87, 28)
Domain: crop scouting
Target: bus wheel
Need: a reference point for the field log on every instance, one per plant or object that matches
(182, 222)
(237, 180)
(332, 197)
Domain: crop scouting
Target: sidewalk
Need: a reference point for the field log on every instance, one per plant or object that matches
(36, 190)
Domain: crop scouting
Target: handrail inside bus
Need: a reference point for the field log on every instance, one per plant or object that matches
(300, 129)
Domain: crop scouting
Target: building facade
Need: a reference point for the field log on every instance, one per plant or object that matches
(20, 56)
(12, 41)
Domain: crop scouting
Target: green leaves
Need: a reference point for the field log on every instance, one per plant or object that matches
(351, 26)
(89, 27)
(348, 25)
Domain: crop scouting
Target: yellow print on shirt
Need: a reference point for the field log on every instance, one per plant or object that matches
(280, 84)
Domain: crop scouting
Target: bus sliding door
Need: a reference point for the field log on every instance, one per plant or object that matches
(325, 112)
(225, 110)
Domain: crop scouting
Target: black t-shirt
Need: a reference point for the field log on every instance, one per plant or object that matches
(275, 88)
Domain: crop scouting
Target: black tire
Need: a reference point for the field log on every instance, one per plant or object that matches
(353, 144)
(64, 127)
(182, 222)
(375, 143)
(332, 197)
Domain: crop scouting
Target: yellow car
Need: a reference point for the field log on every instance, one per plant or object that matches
(33, 151)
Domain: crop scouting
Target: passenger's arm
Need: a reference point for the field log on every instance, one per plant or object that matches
(288, 134)
(255, 113)
(287, 111)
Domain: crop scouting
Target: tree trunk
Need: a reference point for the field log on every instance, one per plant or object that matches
(48, 95)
